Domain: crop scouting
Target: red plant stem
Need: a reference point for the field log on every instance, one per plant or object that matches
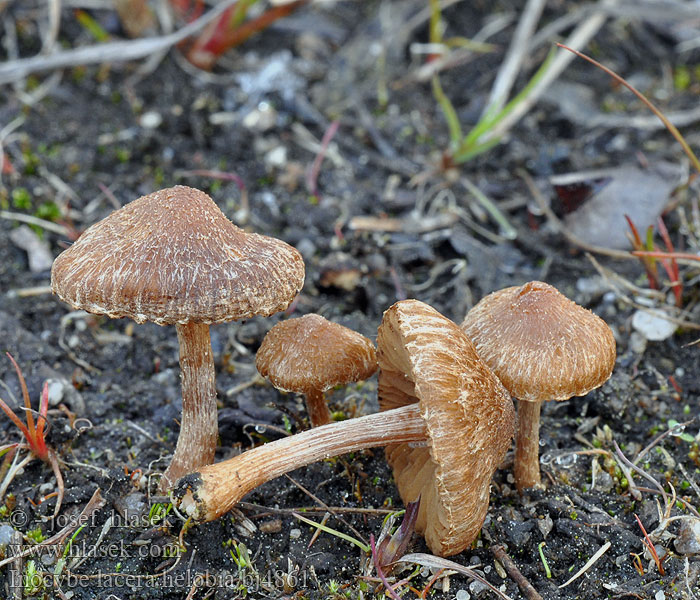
(220, 36)
(650, 546)
(312, 177)
(660, 254)
(649, 265)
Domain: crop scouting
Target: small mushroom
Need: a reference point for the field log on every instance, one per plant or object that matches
(173, 258)
(542, 346)
(310, 355)
(436, 393)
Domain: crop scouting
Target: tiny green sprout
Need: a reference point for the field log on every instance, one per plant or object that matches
(686, 410)
(624, 484)
(597, 443)
(547, 571)
(21, 200)
(376, 480)
(118, 567)
(123, 155)
(158, 512)
(35, 535)
(48, 211)
(333, 587)
(4, 511)
(685, 484)
(573, 515)
(33, 583)
(681, 78)
(287, 423)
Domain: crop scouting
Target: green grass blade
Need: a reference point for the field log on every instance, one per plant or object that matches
(449, 112)
(490, 120)
(335, 532)
(506, 229)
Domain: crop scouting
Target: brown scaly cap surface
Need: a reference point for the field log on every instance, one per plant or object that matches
(541, 345)
(173, 257)
(426, 358)
(312, 353)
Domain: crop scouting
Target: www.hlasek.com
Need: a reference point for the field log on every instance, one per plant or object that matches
(242, 581)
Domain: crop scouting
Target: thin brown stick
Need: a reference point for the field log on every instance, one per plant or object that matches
(499, 553)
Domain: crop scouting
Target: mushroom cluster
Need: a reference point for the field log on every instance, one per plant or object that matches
(173, 258)
(433, 389)
(446, 415)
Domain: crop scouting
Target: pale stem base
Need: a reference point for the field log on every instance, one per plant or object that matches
(216, 489)
(196, 443)
(526, 469)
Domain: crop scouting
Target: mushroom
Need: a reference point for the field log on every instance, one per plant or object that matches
(542, 346)
(436, 393)
(424, 358)
(310, 355)
(173, 258)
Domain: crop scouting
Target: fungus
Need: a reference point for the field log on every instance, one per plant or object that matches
(310, 355)
(542, 346)
(436, 393)
(173, 258)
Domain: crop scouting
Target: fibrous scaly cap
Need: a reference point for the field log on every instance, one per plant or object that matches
(173, 257)
(426, 358)
(540, 344)
(312, 353)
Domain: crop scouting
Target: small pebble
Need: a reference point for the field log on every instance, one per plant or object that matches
(462, 595)
(273, 526)
(6, 533)
(476, 587)
(277, 157)
(688, 539)
(150, 120)
(294, 534)
(653, 324)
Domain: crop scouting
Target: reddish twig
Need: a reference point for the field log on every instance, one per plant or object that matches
(380, 572)
(312, 175)
(650, 547)
(499, 553)
(229, 31)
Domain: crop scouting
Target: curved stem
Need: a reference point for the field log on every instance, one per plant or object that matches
(527, 446)
(317, 407)
(215, 489)
(196, 443)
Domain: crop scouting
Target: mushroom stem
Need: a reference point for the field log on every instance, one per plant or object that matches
(317, 407)
(527, 446)
(215, 489)
(196, 443)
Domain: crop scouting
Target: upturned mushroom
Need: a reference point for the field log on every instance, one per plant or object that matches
(310, 355)
(173, 258)
(542, 346)
(436, 393)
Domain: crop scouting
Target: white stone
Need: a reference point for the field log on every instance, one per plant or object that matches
(653, 324)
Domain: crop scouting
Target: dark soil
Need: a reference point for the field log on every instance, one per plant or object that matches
(100, 137)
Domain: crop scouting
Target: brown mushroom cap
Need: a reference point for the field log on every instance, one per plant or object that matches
(173, 257)
(426, 358)
(540, 344)
(311, 353)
